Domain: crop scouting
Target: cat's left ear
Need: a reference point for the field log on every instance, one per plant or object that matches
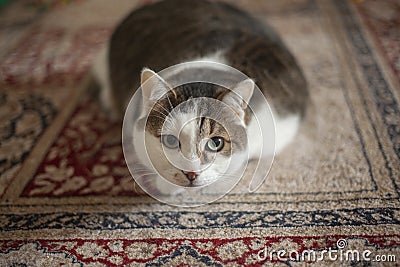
(154, 87)
(239, 96)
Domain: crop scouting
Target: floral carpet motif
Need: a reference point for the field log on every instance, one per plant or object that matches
(86, 159)
(66, 196)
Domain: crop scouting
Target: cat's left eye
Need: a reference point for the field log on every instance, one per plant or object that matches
(170, 141)
(215, 144)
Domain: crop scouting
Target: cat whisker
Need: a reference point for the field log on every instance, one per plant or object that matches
(228, 176)
(144, 173)
(170, 104)
(158, 111)
(162, 113)
(162, 107)
(136, 188)
(154, 110)
(141, 169)
(155, 116)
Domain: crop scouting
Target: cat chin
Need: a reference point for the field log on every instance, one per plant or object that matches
(166, 189)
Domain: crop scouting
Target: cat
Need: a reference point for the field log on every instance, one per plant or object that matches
(170, 32)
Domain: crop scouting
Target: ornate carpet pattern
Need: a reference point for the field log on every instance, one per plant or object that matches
(66, 196)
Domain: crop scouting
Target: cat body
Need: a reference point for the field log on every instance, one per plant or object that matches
(171, 32)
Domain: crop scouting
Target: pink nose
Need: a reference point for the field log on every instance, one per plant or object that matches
(191, 175)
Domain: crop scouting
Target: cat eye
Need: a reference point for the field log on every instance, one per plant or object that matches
(170, 141)
(215, 144)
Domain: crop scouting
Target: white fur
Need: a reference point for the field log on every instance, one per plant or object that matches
(215, 57)
(101, 73)
(285, 131)
(188, 136)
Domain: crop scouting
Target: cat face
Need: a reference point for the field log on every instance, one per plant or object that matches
(196, 155)
(192, 140)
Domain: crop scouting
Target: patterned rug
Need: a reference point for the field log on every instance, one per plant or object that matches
(66, 197)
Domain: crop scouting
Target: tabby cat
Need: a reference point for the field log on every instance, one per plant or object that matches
(170, 32)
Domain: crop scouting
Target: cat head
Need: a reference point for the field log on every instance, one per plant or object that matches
(190, 138)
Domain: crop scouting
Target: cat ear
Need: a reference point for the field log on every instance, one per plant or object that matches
(153, 87)
(239, 96)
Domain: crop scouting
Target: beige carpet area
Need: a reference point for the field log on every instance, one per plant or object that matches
(66, 196)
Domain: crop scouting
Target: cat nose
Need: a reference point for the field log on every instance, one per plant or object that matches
(191, 175)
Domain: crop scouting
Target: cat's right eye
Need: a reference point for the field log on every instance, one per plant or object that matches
(170, 141)
(215, 144)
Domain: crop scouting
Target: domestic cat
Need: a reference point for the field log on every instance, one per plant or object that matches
(170, 32)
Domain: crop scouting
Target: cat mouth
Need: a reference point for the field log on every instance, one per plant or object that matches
(191, 176)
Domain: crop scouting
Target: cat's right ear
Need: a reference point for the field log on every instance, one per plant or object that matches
(153, 87)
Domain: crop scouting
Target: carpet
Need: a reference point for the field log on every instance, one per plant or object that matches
(66, 196)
